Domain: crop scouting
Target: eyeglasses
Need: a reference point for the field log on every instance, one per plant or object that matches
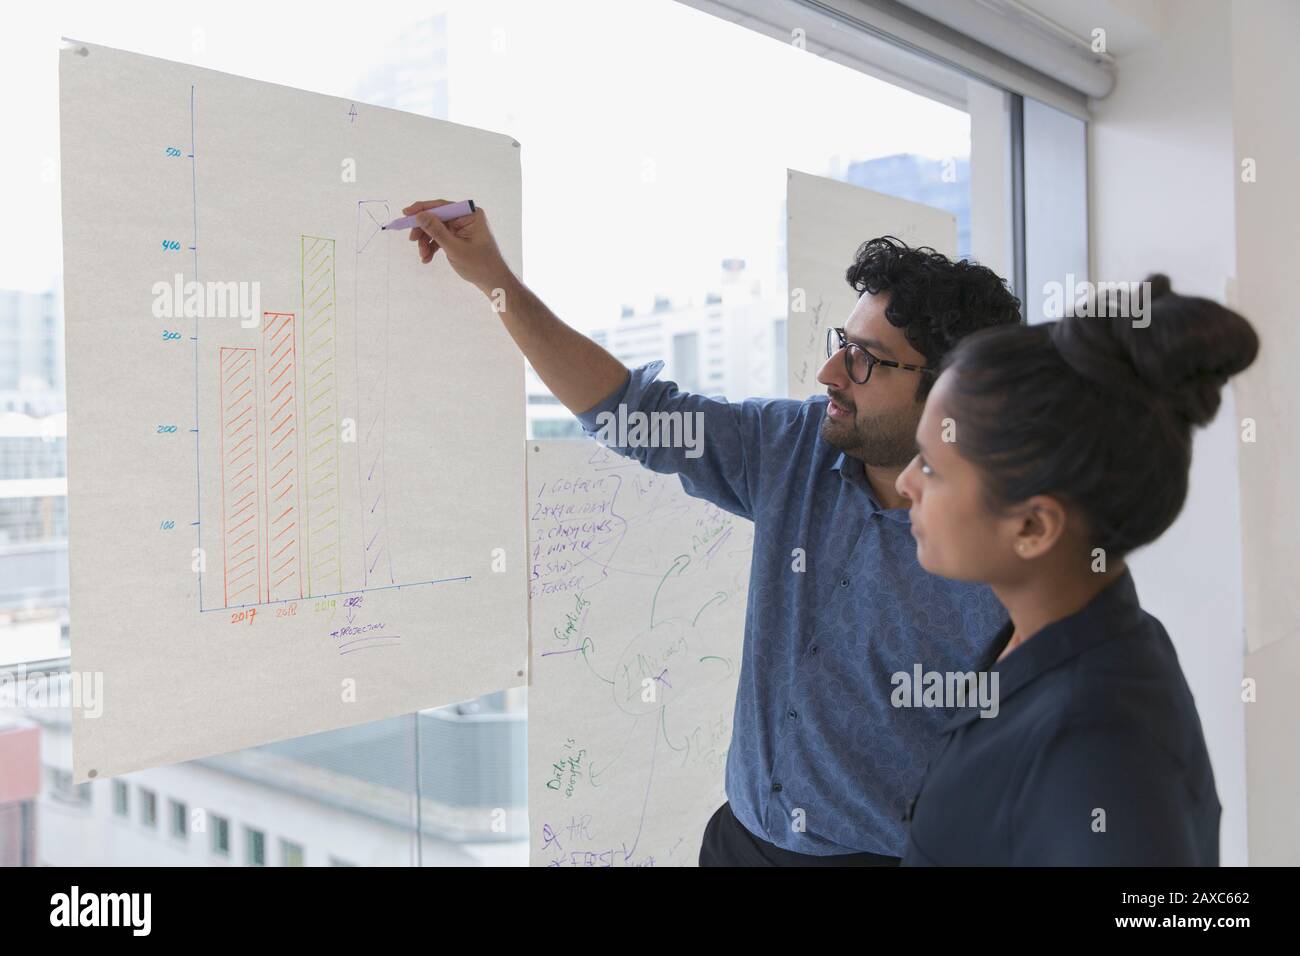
(858, 361)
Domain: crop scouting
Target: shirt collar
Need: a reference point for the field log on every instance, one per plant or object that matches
(1112, 612)
(851, 470)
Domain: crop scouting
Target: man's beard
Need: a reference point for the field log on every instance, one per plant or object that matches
(881, 442)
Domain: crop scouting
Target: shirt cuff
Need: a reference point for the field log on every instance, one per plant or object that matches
(630, 395)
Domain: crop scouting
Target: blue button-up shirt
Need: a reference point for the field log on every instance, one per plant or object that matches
(820, 762)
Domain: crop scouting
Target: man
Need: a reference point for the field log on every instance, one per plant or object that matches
(821, 761)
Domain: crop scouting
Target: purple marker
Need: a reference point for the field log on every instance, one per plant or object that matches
(450, 211)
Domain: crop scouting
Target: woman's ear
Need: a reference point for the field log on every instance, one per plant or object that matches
(1041, 522)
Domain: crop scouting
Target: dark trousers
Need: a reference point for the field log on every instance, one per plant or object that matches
(728, 842)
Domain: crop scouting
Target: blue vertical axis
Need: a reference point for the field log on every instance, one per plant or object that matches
(198, 482)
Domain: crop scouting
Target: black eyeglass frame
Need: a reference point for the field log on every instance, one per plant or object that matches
(833, 334)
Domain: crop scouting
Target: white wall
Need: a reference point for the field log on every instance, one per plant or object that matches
(1161, 199)
(1266, 77)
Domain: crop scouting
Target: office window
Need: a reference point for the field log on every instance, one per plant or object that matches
(657, 146)
(686, 361)
(63, 789)
(254, 847)
(148, 808)
(1056, 210)
(220, 835)
(180, 824)
(557, 429)
(291, 854)
(121, 798)
(779, 356)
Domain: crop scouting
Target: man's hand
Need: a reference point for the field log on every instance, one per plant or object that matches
(467, 242)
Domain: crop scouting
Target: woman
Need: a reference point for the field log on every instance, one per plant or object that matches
(1047, 453)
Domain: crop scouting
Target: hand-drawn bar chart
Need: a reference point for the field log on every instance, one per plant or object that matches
(269, 446)
(280, 463)
(282, 415)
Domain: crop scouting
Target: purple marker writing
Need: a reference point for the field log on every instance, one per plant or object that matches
(450, 211)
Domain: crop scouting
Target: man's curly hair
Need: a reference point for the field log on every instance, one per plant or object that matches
(935, 300)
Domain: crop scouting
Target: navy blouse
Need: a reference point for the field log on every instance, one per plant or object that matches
(1095, 755)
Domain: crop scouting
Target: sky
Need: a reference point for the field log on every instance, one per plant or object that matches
(655, 137)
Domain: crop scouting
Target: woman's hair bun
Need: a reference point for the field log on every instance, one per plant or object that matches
(1169, 349)
(1159, 285)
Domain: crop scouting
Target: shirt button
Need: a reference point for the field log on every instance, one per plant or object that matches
(793, 713)
(813, 649)
(844, 582)
(776, 788)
